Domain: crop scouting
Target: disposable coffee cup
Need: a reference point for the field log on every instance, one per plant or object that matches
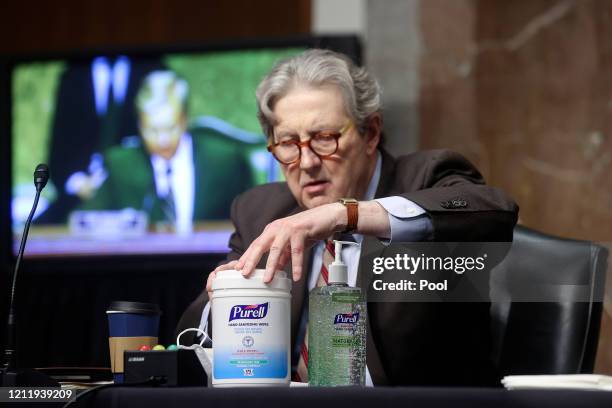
(130, 325)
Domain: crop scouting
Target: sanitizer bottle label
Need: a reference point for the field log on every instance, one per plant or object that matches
(250, 339)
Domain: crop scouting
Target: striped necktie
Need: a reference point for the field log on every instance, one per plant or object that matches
(301, 374)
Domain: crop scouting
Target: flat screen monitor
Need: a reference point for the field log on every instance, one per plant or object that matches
(146, 150)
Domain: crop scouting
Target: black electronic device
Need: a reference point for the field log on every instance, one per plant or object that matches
(169, 367)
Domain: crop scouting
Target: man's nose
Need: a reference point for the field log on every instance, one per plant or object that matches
(309, 159)
(163, 137)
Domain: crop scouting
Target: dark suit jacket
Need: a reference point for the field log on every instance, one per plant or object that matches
(408, 343)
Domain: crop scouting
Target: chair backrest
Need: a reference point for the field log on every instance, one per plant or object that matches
(546, 304)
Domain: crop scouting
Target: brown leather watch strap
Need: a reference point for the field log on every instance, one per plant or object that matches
(352, 213)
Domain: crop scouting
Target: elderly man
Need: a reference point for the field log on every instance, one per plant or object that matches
(322, 117)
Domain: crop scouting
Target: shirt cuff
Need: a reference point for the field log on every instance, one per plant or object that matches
(408, 221)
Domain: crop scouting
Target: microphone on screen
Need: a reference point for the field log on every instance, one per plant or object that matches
(41, 176)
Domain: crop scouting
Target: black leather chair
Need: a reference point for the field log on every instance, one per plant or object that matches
(546, 304)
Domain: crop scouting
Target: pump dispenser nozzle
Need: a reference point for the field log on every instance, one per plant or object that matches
(338, 271)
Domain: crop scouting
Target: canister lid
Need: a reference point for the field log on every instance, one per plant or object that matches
(232, 279)
(133, 307)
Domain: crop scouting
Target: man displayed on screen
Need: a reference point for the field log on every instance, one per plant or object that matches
(322, 116)
(173, 174)
(94, 110)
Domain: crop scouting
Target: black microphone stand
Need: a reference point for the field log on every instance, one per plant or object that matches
(9, 376)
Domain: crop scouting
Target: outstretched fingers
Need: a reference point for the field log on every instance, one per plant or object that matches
(275, 254)
(297, 256)
(249, 260)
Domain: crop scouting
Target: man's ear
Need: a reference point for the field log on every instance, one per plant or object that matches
(373, 132)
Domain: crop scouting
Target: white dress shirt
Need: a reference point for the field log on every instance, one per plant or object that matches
(181, 181)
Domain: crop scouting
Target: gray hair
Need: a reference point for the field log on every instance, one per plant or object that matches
(317, 67)
(162, 88)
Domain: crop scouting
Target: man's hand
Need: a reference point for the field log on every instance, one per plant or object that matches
(288, 238)
(211, 276)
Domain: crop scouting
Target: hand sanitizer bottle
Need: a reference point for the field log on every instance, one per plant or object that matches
(337, 329)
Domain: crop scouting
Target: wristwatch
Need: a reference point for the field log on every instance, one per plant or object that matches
(352, 213)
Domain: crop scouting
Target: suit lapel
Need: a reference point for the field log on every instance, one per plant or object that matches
(150, 201)
(199, 161)
(387, 169)
(299, 289)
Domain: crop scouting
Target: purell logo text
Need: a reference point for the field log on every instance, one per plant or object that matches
(248, 311)
(346, 318)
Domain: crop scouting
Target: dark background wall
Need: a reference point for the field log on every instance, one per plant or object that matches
(27, 26)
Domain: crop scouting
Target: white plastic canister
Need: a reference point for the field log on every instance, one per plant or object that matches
(251, 329)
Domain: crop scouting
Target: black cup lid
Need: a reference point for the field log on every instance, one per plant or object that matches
(134, 307)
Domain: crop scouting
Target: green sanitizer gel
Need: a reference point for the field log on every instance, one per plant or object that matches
(337, 329)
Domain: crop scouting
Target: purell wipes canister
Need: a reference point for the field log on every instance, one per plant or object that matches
(251, 329)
